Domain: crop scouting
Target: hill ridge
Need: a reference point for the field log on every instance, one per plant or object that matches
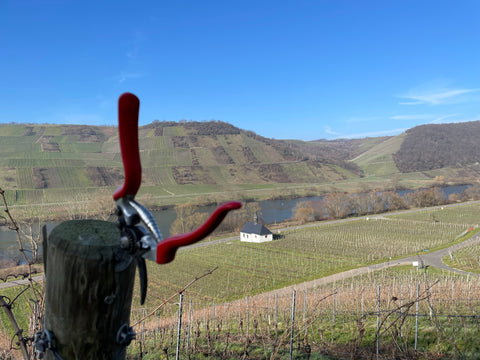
(47, 162)
(40, 159)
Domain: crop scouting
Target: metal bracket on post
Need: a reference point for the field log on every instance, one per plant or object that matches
(125, 335)
(43, 342)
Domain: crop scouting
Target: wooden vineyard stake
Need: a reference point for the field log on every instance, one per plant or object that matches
(89, 286)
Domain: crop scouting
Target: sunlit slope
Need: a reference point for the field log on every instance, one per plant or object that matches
(378, 161)
(45, 163)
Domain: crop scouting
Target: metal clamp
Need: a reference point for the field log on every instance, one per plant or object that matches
(125, 335)
(43, 342)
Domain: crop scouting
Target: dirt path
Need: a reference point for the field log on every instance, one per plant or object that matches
(37, 278)
(433, 259)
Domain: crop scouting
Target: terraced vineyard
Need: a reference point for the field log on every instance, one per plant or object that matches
(79, 158)
(378, 161)
(200, 154)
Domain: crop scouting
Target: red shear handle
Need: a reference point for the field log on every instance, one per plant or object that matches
(167, 248)
(128, 107)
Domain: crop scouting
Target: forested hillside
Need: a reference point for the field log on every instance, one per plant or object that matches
(436, 146)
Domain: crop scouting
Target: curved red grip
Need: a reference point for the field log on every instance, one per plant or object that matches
(167, 248)
(128, 108)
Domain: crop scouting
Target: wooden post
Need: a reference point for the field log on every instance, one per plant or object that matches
(89, 285)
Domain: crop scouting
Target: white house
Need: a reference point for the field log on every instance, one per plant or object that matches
(255, 232)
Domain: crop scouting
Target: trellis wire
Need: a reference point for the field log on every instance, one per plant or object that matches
(226, 315)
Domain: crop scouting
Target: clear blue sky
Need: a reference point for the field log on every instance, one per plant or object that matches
(283, 69)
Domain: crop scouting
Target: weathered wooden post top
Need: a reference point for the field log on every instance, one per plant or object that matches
(90, 264)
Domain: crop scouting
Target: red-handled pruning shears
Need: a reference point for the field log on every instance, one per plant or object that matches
(139, 242)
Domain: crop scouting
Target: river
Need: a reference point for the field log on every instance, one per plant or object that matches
(272, 211)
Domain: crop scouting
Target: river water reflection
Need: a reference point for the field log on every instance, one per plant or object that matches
(271, 211)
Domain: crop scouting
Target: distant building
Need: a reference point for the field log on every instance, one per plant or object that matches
(255, 232)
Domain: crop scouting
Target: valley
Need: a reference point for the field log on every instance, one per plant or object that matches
(58, 172)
